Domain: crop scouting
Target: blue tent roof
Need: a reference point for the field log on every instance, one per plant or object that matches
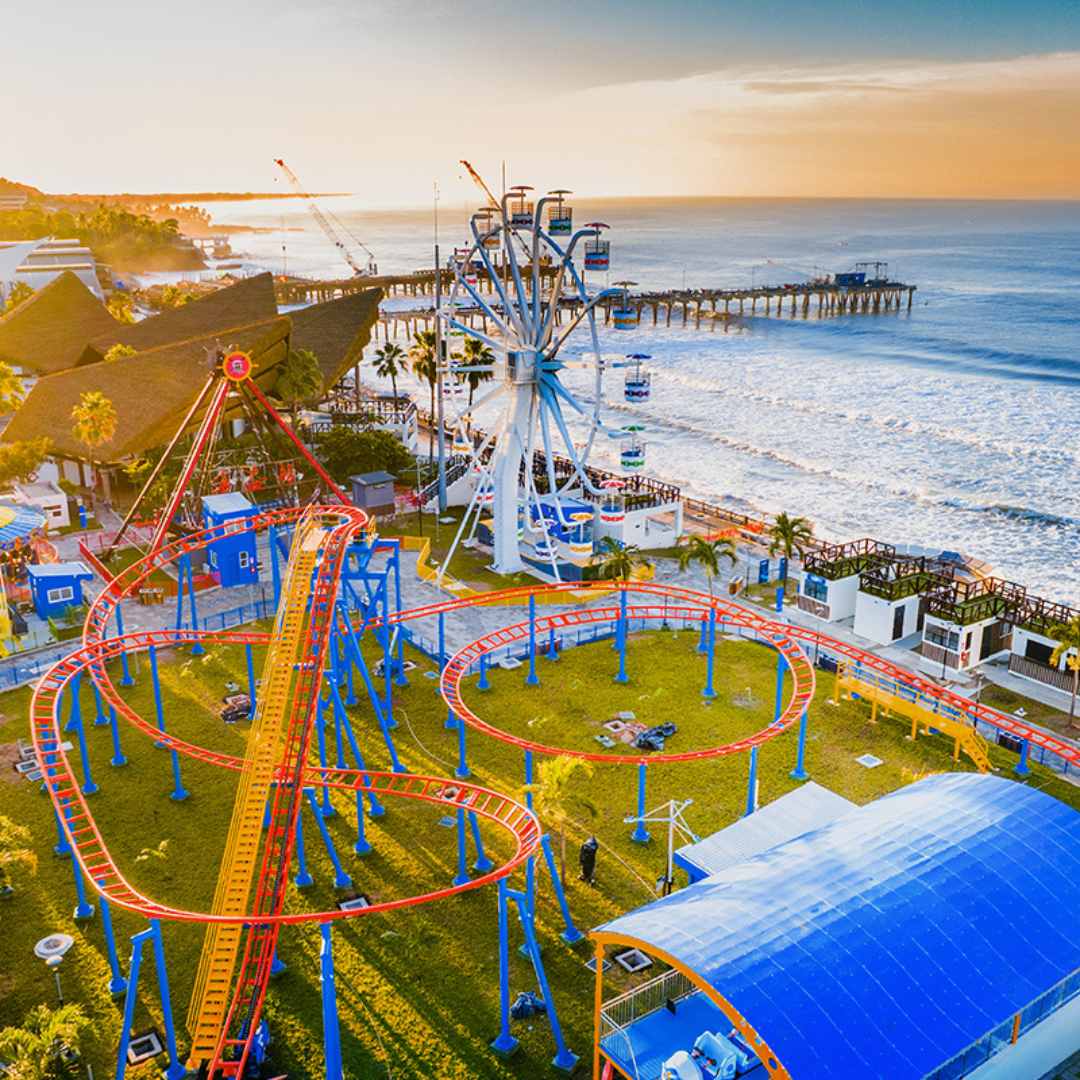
(22, 522)
(888, 941)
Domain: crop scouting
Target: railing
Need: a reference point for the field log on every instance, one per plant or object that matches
(621, 1012)
(1008, 1031)
(939, 655)
(1044, 673)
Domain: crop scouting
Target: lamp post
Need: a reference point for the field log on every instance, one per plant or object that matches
(51, 949)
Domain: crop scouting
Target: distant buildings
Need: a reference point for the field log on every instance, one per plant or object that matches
(47, 262)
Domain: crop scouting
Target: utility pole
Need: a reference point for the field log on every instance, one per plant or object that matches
(439, 366)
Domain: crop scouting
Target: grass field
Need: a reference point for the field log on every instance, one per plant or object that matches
(418, 987)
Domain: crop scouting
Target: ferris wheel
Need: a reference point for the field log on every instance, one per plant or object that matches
(538, 301)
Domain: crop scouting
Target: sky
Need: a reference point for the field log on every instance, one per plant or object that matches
(381, 98)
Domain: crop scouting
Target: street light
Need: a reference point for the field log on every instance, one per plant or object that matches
(51, 950)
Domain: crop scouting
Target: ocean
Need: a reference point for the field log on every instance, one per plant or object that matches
(952, 425)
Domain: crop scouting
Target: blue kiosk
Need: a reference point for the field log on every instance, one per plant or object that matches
(232, 559)
(57, 587)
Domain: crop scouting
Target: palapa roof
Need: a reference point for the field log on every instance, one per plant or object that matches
(151, 391)
(49, 331)
(336, 332)
(248, 301)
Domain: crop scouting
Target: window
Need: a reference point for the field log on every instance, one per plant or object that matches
(1038, 651)
(58, 596)
(938, 635)
(245, 559)
(817, 588)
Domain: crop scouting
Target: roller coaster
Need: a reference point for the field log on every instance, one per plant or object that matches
(249, 908)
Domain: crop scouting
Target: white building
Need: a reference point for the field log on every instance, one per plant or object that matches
(44, 260)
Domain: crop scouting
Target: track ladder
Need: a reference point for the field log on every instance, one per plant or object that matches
(240, 864)
(922, 708)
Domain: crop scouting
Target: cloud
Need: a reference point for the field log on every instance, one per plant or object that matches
(1008, 128)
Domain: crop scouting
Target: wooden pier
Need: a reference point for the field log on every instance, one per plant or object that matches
(813, 300)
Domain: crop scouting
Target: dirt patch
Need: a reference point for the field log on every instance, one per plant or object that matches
(9, 754)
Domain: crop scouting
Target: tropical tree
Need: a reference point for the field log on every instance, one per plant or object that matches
(11, 389)
(617, 562)
(20, 461)
(36, 1049)
(300, 380)
(120, 307)
(474, 353)
(95, 424)
(390, 363)
(708, 553)
(1067, 635)
(551, 790)
(119, 351)
(791, 536)
(14, 851)
(18, 292)
(422, 353)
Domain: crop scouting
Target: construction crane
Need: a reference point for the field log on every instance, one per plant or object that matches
(325, 225)
(479, 183)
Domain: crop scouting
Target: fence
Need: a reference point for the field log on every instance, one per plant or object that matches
(16, 674)
(651, 997)
(1007, 1032)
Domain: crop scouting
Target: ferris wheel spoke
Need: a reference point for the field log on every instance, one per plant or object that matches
(490, 396)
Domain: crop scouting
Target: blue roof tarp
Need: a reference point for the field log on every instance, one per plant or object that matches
(888, 941)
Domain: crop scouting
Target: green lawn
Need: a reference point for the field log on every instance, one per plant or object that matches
(418, 987)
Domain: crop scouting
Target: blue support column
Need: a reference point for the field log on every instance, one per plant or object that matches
(710, 656)
(275, 566)
(251, 677)
(157, 691)
(276, 965)
(100, 718)
(530, 867)
(331, 1032)
(361, 847)
(129, 1001)
(462, 771)
(565, 1062)
(442, 640)
(75, 705)
(551, 653)
(118, 758)
(303, 879)
(751, 784)
(799, 772)
(1021, 768)
(341, 879)
(117, 984)
(505, 1045)
(622, 635)
(127, 680)
(571, 934)
(531, 679)
(350, 688)
(320, 735)
(196, 648)
(89, 787)
(703, 644)
(376, 809)
(463, 872)
(641, 834)
(85, 910)
(483, 864)
(175, 1070)
(179, 794)
(483, 684)
(63, 847)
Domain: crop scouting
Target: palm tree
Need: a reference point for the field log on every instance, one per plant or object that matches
(299, 380)
(46, 1034)
(11, 390)
(551, 791)
(19, 292)
(475, 352)
(708, 553)
(95, 423)
(12, 851)
(425, 368)
(1067, 635)
(617, 562)
(789, 535)
(390, 363)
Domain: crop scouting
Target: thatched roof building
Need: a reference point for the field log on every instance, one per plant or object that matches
(337, 331)
(150, 391)
(50, 330)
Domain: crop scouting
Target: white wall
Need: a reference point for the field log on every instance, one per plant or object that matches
(874, 617)
(640, 528)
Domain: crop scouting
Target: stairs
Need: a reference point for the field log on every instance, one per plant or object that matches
(920, 707)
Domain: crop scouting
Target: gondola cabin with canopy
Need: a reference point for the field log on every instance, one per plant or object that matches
(597, 250)
(560, 215)
(638, 384)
